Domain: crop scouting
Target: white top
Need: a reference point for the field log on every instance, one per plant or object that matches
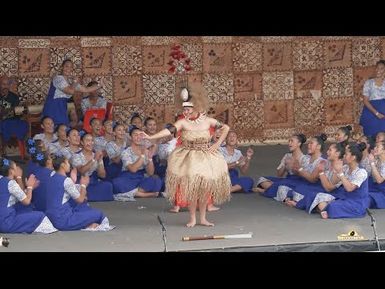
(43, 138)
(230, 158)
(59, 82)
(303, 162)
(357, 177)
(100, 143)
(372, 91)
(129, 157)
(79, 159)
(165, 149)
(365, 164)
(17, 194)
(113, 150)
(56, 148)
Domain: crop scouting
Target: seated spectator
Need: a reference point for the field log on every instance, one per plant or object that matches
(94, 100)
(48, 136)
(10, 123)
(15, 218)
(66, 215)
(235, 160)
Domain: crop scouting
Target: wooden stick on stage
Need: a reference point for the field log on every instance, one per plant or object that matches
(217, 237)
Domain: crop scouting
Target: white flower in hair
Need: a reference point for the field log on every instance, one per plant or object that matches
(184, 94)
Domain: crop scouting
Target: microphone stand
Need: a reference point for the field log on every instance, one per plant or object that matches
(373, 221)
(163, 234)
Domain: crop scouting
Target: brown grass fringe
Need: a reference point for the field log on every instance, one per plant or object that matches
(198, 186)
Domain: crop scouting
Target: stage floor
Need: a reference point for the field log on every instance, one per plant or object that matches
(275, 227)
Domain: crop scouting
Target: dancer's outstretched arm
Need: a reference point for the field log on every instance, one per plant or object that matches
(165, 132)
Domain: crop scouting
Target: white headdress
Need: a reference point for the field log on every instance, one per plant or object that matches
(186, 97)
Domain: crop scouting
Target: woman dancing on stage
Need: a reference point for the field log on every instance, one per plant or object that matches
(196, 169)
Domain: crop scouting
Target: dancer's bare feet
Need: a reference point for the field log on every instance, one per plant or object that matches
(324, 215)
(206, 223)
(191, 223)
(212, 208)
(174, 209)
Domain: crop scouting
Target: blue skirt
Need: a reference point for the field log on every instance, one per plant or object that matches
(128, 181)
(70, 217)
(376, 194)
(246, 183)
(288, 181)
(99, 191)
(17, 219)
(348, 208)
(370, 123)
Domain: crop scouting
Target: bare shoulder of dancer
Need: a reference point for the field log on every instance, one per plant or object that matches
(213, 122)
(180, 124)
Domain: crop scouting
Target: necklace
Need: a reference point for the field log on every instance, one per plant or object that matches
(197, 120)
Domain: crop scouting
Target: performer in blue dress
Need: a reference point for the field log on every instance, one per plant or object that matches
(137, 178)
(64, 215)
(268, 186)
(365, 162)
(91, 164)
(235, 160)
(308, 174)
(57, 146)
(343, 135)
(304, 194)
(114, 151)
(14, 218)
(373, 113)
(377, 178)
(352, 200)
(48, 135)
(62, 88)
(42, 174)
(73, 138)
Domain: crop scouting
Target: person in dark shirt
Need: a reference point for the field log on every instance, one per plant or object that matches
(10, 124)
(8, 99)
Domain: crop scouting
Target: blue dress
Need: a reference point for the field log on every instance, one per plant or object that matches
(31, 167)
(370, 123)
(113, 170)
(377, 191)
(376, 194)
(245, 182)
(282, 187)
(55, 105)
(127, 181)
(64, 216)
(344, 204)
(39, 196)
(305, 192)
(16, 219)
(97, 190)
